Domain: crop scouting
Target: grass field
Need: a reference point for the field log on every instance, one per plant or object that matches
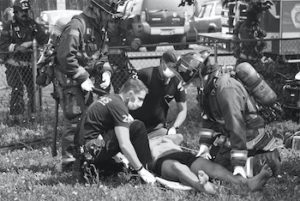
(32, 173)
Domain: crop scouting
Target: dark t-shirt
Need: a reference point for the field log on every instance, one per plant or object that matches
(156, 104)
(103, 115)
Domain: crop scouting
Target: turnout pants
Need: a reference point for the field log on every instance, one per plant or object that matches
(17, 77)
(74, 102)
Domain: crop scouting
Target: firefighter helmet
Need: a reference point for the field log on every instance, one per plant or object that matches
(109, 6)
(191, 65)
(21, 5)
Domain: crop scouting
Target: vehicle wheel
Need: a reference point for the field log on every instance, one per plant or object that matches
(183, 45)
(151, 48)
(211, 30)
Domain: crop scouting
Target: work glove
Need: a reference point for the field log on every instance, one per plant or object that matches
(171, 131)
(87, 85)
(204, 152)
(297, 76)
(146, 176)
(105, 79)
(239, 170)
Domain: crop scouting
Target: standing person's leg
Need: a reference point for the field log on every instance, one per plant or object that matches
(216, 171)
(14, 80)
(73, 105)
(28, 81)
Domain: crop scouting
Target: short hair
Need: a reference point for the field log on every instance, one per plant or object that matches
(133, 84)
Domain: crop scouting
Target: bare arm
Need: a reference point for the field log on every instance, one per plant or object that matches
(126, 146)
(182, 112)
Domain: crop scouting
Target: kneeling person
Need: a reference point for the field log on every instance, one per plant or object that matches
(107, 128)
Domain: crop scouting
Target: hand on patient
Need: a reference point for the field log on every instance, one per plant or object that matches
(146, 176)
(171, 131)
(204, 152)
(239, 170)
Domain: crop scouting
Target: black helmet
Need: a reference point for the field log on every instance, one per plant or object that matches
(21, 5)
(109, 6)
(191, 64)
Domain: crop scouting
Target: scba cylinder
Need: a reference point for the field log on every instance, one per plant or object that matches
(256, 86)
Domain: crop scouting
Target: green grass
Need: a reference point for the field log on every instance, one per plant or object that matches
(33, 174)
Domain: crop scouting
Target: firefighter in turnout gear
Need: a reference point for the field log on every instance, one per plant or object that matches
(81, 55)
(251, 51)
(231, 111)
(17, 39)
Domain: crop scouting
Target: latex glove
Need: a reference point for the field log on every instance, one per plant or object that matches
(239, 170)
(120, 158)
(204, 152)
(146, 176)
(87, 85)
(171, 131)
(105, 79)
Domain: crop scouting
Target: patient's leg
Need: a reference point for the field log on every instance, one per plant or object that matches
(217, 171)
(257, 182)
(176, 171)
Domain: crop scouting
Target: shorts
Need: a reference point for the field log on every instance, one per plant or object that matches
(185, 158)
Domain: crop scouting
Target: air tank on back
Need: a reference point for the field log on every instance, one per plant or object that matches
(256, 86)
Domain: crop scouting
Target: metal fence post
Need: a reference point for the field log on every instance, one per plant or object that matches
(216, 51)
(34, 73)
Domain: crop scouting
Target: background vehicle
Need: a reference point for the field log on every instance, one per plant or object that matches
(156, 21)
(206, 18)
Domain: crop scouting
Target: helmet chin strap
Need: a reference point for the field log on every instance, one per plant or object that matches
(103, 8)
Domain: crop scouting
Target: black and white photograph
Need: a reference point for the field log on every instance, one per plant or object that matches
(149, 100)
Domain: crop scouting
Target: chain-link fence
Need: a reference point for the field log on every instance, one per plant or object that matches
(18, 89)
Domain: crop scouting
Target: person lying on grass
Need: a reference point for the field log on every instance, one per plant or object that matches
(171, 163)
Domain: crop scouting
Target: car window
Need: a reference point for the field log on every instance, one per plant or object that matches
(206, 10)
(219, 8)
(163, 5)
(201, 11)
